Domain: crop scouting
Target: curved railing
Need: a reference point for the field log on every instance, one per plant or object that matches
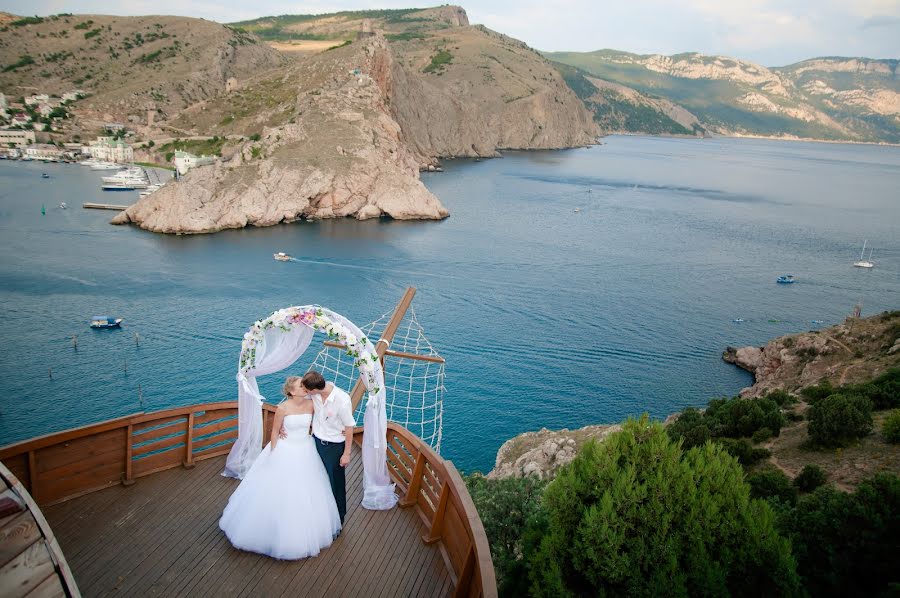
(61, 466)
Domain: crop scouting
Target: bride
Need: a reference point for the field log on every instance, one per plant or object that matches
(284, 507)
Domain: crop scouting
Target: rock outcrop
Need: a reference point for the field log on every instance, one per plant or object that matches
(343, 156)
(543, 452)
(856, 350)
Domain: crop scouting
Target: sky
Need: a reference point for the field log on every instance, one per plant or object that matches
(769, 32)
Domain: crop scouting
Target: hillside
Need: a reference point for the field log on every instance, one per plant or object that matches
(825, 98)
(334, 131)
(128, 65)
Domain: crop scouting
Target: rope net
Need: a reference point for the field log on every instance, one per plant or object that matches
(415, 389)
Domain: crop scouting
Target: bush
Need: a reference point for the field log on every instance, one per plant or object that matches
(810, 478)
(883, 391)
(772, 484)
(737, 417)
(761, 435)
(689, 428)
(781, 398)
(812, 394)
(891, 427)
(438, 62)
(847, 544)
(743, 451)
(840, 419)
(505, 507)
(639, 515)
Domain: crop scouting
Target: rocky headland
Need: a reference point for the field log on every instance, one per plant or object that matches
(855, 351)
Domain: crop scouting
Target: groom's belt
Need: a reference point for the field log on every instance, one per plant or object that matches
(327, 442)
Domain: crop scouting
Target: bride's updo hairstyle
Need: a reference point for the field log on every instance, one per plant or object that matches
(289, 384)
(313, 381)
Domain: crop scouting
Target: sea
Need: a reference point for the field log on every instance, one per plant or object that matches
(567, 288)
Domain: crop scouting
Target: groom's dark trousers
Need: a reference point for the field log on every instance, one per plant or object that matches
(330, 453)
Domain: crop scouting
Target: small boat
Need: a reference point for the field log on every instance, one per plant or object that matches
(63, 206)
(576, 210)
(816, 322)
(44, 175)
(738, 320)
(774, 321)
(786, 279)
(105, 322)
(865, 263)
(282, 257)
(118, 187)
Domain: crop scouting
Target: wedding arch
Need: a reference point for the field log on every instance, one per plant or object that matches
(276, 342)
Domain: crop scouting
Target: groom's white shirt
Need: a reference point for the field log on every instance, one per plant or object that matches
(332, 415)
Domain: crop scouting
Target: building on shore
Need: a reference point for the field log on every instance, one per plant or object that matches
(44, 151)
(109, 149)
(16, 137)
(184, 161)
(21, 119)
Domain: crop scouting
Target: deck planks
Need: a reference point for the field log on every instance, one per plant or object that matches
(160, 537)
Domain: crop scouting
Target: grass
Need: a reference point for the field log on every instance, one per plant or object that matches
(199, 147)
(23, 61)
(154, 165)
(439, 62)
(343, 45)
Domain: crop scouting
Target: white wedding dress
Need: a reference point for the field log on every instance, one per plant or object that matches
(284, 507)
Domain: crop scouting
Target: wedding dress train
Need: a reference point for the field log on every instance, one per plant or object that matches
(284, 507)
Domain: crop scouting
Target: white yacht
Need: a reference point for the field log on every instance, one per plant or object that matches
(106, 166)
(865, 263)
(282, 257)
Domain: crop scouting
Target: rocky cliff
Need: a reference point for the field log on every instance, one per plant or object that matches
(330, 149)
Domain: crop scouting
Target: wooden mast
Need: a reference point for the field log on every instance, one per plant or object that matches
(388, 335)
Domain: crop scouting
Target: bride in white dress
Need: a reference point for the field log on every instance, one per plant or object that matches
(284, 507)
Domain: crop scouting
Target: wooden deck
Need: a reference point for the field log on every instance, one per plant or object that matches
(160, 537)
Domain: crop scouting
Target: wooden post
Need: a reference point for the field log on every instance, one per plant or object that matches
(415, 482)
(127, 477)
(32, 475)
(188, 462)
(437, 524)
(388, 336)
(465, 576)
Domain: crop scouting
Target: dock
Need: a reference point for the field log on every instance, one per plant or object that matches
(104, 206)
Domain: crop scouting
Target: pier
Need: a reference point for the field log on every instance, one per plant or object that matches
(103, 206)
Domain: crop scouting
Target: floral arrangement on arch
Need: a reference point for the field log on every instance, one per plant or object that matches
(317, 319)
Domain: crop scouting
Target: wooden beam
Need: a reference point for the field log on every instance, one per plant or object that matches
(188, 462)
(412, 494)
(390, 353)
(128, 477)
(465, 576)
(388, 335)
(437, 524)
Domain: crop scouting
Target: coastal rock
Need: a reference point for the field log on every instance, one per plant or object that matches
(748, 358)
(543, 452)
(285, 175)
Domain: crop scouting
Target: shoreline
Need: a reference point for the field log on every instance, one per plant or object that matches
(763, 137)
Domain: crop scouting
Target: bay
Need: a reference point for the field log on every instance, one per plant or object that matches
(567, 288)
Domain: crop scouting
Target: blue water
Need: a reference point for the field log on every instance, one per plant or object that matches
(547, 316)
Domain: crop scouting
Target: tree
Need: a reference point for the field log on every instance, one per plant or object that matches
(847, 544)
(840, 419)
(638, 515)
(891, 427)
(810, 478)
(505, 506)
(772, 484)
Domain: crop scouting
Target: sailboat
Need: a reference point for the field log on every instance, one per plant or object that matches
(864, 263)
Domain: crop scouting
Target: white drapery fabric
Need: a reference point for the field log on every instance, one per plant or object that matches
(280, 346)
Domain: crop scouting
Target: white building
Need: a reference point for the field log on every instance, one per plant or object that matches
(44, 109)
(44, 151)
(17, 137)
(109, 149)
(184, 161)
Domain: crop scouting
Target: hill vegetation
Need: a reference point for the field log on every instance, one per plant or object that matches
(825, 98)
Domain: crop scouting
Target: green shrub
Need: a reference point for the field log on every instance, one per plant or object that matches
(737, 417)
(891, 427)
(743, 451)
(761, 435)
(24, 60)
(27, 21)
(343, 45)
(92, 33)
(638, 515)
(840, 419)
(883, 391)
(772, 483)
(781, 397)
(438, 62)
(817, 392)
(810, 478)
(255, 137)
(505, 507)
(847, 544)
(689, 428)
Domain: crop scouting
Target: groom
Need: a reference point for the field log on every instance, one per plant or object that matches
(332, 428)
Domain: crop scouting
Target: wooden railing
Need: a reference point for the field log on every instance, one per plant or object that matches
(61, 466)
(67, 464)
(433, 487)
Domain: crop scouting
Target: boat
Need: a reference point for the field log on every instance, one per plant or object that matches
(865, 263)
(816, 322)
(106, 166)
(105, 322)
(44, 175)
(282, 257)
(738, 320)
(118, 187)
(786, 279)
(63, 206)
(576, 210)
